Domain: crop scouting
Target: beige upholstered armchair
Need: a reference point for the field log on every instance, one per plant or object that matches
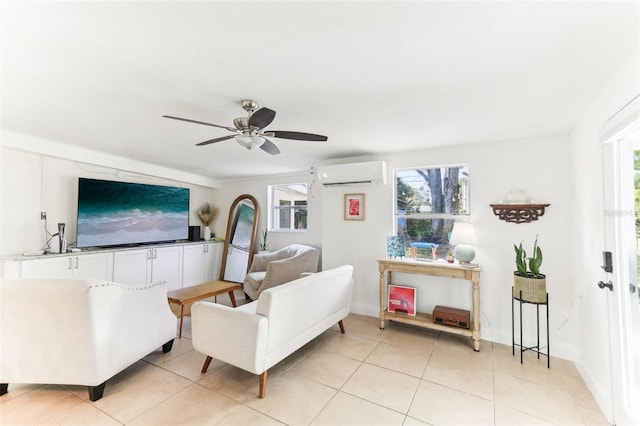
(271, 269)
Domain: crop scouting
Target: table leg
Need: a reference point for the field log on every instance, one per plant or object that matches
(513, 330)
(181, 318)
(475, 296)
(383, 293)
(538, 327)
(548, 344)
(521, 346)
(233, 298)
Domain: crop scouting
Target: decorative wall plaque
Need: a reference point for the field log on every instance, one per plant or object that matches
(518, 213)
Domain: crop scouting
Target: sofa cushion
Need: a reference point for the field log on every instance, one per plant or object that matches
(254, 279)
(248, 307)
(296, 308)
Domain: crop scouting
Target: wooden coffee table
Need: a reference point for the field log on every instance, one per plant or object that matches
(187, 295)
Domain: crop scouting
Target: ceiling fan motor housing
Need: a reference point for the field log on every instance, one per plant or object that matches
(241, 123)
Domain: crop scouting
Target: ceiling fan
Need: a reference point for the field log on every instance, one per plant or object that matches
(249, 131)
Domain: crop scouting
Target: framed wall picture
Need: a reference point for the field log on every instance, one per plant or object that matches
(402, 300)
(353, 206)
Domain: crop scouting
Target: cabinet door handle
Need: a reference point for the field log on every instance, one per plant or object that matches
(70, 264)
(77, 261)
(149, 254)
(155, 253)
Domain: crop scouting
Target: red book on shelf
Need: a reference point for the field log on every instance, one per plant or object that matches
(402, 300)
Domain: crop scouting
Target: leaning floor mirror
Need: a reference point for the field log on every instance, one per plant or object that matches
(240, 239)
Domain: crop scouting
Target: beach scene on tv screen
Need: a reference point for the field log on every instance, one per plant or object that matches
(117, 213)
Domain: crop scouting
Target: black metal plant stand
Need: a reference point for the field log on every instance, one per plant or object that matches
(535, 348)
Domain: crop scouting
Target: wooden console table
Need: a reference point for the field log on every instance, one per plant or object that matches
(436, 269)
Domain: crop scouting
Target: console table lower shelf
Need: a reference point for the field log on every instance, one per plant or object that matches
(435, 269)
(424, 320)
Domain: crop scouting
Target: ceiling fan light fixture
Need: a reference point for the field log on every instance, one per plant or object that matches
(250, 142)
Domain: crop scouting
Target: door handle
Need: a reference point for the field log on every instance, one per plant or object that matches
(608, 285)
(632, 288)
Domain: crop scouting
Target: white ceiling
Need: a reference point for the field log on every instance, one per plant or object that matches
(374, 77)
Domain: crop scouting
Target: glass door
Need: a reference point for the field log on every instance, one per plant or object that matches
(622, 217)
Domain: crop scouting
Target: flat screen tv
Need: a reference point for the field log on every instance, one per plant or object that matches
(120, 213)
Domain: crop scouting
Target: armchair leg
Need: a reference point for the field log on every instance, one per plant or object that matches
(206, 364)
(4, 388)
(341, 324)
(263, 384)
(167, 346)
(95, 392)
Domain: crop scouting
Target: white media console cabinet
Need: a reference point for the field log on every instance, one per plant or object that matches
(179, 265)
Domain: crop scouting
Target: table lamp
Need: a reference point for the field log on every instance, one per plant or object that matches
(464, 238)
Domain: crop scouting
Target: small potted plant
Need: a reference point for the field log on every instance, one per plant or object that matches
(528, 283)
(264, 244)
(207, 213)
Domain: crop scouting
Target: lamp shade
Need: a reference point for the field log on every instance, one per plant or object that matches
(463, 233)
(464, 238)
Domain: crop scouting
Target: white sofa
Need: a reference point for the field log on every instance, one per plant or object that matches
(79, 331)
(258, 335)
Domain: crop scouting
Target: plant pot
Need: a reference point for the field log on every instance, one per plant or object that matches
(207, 233)
(534, 289)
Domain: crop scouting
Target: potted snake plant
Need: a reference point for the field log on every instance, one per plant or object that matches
(528, 283)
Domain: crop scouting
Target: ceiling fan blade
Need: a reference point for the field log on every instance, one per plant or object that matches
(224, 138)
(270, 147)
(262, 118)
(231, 129)
(298, 136)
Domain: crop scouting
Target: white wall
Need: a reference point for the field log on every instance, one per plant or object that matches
(33, 182)
(594, 358)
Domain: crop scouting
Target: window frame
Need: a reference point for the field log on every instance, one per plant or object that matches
(275, 209)
(397, 217)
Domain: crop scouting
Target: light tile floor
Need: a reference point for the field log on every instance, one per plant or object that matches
(398, 376)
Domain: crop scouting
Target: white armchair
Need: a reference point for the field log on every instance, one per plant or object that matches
(79, 331)
(271, 269)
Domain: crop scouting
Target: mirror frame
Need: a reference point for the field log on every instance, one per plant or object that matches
(232, 210)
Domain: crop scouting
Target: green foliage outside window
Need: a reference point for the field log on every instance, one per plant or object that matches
(427, 202)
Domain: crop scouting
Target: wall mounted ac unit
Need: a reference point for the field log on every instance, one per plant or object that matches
(365, 173)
